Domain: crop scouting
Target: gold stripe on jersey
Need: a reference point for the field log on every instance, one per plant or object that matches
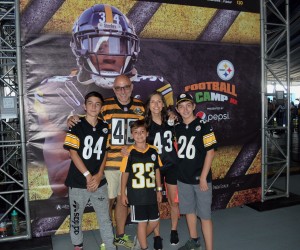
(114, 157)
(72, 141)
(169, 99)
(108, 14)
(209, 140)
(167, 92)
(111, 107)
(112, 111)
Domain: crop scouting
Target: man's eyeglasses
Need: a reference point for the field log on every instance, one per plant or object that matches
(125, 88)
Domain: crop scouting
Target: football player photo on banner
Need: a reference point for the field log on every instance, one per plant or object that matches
(70, 48)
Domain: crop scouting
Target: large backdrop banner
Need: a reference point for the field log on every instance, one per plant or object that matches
(210, 49)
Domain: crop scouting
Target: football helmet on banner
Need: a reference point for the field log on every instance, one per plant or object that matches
(105, 45)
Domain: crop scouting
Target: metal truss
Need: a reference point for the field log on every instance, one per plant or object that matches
(275, 63)
(13, 170)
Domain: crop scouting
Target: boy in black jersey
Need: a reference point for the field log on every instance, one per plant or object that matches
(196, 142)
(87, 142)
(141, 177)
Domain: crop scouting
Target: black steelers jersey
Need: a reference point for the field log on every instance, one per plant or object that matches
(90, 143)
(161, 136)
(119, 118)
(141, 166)
(194, 140)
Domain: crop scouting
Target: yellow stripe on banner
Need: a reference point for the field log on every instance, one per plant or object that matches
(245, 29)
(170, 21)
(209, 140)
(179, 22)
(108, 14)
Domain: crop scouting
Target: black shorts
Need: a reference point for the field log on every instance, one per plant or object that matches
(170, 176)
(143, 213)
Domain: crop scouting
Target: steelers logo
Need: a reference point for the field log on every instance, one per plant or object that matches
(138, 111)
(153, 157)
(225, 70)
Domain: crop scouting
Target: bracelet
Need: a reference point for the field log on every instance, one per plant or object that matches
(86, 173)
(159, 189)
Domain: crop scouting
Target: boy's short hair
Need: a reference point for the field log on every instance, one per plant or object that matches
(139, 123)
(184, 97)
(93, 94)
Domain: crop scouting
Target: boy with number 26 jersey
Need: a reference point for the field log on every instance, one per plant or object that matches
(196, 143)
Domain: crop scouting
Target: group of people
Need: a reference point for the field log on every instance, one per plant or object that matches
(122, 151)
(133, 173)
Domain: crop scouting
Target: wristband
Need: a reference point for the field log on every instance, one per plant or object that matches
(86, 173)
(159, 189)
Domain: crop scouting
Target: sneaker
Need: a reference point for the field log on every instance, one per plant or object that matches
(102, 246)
(136, 244)
(157, 243)
(191, 245)
(78, 248)
(174, 237)
(123, 241)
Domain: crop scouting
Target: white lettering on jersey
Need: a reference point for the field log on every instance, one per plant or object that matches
(140, 181)
(157, 141)
(88, 149)
(120, 131)
(186, 149)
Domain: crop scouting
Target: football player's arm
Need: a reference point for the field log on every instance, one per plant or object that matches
(206, 167)
(168, 93)
(57, 161)
(49, 110)
(80, 166)
(96, 179)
